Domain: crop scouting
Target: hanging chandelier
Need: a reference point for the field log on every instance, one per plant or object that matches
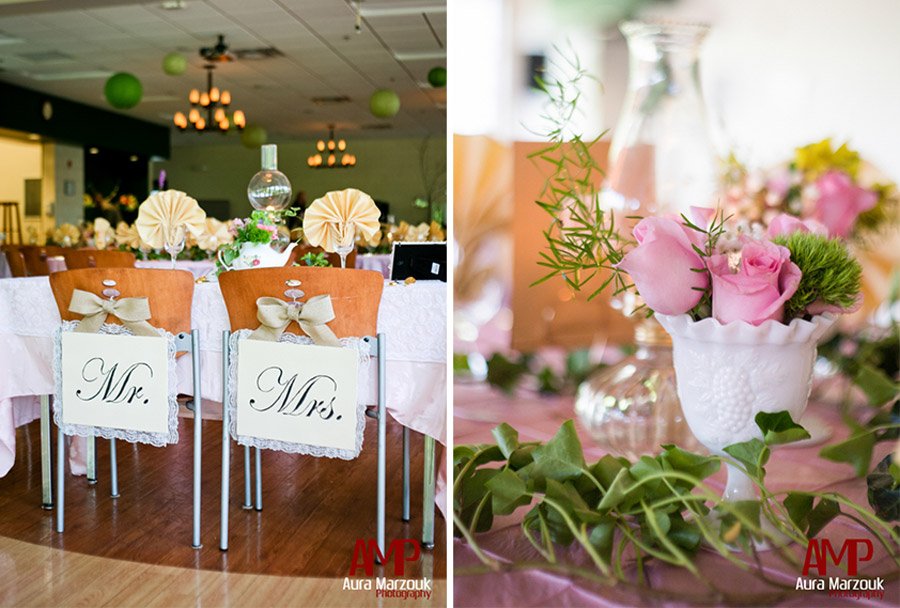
(331, 154)
(209, 108)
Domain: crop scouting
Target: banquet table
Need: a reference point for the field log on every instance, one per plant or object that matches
(478, 408)
(380, 262)
(375, 261)
(412, 318)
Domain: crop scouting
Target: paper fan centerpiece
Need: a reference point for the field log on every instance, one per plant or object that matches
(330, 221)
(162, 215)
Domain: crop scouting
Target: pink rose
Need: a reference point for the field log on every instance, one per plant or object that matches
(779, 182)
(784, 224)
(757, 292)
(840, 202)
(661, 264)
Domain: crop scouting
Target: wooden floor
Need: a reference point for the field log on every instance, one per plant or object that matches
(37, 576)
(314, 509)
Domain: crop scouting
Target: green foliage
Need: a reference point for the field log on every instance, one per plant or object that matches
(582, 242)
(624, 513)
(871, 362)
(884, 489)
(315, 259)
(831, 275)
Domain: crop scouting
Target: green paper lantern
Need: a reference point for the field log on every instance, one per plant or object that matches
(437, 77)
(174, 64)
(123, 90)
(254, 136)
(384, 103)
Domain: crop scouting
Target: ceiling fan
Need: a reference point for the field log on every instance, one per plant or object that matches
(221, 52)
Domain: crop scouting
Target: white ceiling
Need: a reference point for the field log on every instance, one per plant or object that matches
(400, 41)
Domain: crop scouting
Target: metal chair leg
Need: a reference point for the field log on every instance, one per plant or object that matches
(248, 501)
(60, 479)
(382, 442)
(91, 459)
(258, 479)
(113, 470)
(226, 449)
(46, 455)
(198, 433)
(405, 473)
(428, 495)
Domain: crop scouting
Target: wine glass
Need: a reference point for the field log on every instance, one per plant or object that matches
(175, 240)
(346, 241)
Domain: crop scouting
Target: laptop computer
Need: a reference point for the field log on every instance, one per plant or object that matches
(422, 261)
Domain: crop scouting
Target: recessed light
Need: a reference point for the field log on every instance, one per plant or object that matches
(172, 5)
(133, 158)
(94, 150)
(34, 136)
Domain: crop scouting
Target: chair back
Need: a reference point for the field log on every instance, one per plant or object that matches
(355, 295)
(301, 250)
(96, 258)
(170, 292)
(36, 258)
(15, 260)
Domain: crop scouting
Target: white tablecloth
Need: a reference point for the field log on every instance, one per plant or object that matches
(199, 268)
(412, 318)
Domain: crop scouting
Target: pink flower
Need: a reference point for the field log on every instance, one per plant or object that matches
(779, 182)
(256, 261)
(784, 224)
(840, 202)
(757, 292)
(661, 266)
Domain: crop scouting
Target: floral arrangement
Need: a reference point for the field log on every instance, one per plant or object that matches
(260, 228)
(704, 268)
(834, 188)
(381, 241)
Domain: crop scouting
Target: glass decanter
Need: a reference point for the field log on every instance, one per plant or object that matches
(661, 161)
(269, 189)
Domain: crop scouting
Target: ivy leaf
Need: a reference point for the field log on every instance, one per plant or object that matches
(561, 458)
(505, 373)
(521, 457)
(753, 454)
(508, 492)
(644, 467)
(618, 491)
(696, 465)
(884, 489)
(798, 505)
(607, 468)
(819, 517)
(507, 438)
(856, 451)
(877, 386)
(779, 427)
(602, 536)
(684, 534)
(462, 454)
(476, 486)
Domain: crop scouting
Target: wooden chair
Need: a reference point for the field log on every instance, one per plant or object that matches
(36, 258)
(355, 296)
(15, 260)
(170, 293)
(94, 258)
(301, 250)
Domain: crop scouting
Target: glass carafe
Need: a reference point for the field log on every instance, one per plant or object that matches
(661, 162)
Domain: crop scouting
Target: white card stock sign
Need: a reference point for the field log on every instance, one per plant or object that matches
(115, 382)
(303, 396)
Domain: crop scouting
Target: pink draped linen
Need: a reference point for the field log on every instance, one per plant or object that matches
(478, 408)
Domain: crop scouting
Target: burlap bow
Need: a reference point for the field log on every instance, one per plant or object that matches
(275, 315)
(133, 313)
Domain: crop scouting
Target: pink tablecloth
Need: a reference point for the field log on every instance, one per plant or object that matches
(478, 408)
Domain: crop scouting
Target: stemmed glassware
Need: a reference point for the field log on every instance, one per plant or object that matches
(175, 240)
(346, 241)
